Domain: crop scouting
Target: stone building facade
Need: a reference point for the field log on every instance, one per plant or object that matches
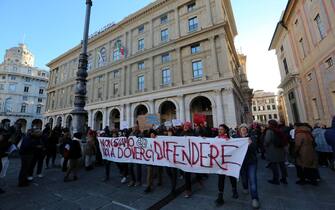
(175, 58)
(264, 106)
(304, 41)
(22, 89)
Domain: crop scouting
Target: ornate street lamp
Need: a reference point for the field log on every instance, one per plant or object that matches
(79, 113)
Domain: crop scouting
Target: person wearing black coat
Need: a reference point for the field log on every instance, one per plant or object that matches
(26, 150)
(39, 151)
(75, 155)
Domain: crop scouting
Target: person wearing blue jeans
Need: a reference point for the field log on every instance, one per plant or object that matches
(249, 166)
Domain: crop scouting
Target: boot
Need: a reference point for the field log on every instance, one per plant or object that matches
(219, 201)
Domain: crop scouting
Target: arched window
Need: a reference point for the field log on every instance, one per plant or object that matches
(118, 51)
(89, 62)
(8, 105)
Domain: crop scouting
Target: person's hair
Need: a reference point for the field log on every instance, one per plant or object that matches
(226, 128)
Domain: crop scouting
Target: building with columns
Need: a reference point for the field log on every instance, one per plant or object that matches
(22, 89)
(304, 41)
(175, 58)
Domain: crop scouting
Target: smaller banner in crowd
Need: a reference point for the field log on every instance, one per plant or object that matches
(190, 154)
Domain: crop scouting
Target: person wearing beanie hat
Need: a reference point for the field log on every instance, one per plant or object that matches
(249, 166)
(74, 156)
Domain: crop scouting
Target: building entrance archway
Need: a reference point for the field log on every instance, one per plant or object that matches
(201, 105)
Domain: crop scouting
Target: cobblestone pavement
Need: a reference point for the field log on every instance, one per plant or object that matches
(89, 192)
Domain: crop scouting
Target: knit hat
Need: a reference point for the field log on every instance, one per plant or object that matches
(243, 126)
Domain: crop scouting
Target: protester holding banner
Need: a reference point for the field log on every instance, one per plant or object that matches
(224, 135)
(136, 179)
(172, 172)
(249, 166)
(150, 169)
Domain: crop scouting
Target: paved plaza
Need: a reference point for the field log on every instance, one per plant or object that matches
(90, 192)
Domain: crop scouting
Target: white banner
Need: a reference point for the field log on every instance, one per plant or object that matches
(191, 154)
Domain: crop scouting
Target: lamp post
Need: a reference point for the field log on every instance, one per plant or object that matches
(79, 112)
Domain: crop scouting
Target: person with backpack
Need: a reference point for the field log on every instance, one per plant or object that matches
(274, 143)
(306, 156)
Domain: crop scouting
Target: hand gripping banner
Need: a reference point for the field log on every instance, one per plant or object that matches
(190, 154)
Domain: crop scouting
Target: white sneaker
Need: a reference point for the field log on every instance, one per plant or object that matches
(124, 180)
(30, 178)
(40, 175)
(255, 203)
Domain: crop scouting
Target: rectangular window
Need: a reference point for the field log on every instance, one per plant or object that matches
(268, 107)
(140, 83)
(315, 109)
(140, 65)
(39, 100)
(116, 74)
(270, 116)
(166, 76)
(274, 107)
(254, 108)
(281, 48)
(23, 108)
(164, 35)
(116, 55)
(272, 100)
(25, 98)
(192, 24)
(12, 77)
(164, 19)
(38, 110)
(166, 58)
(275, 116)
(141, 29)
(2, 86)
(29, 70)
(140, 44)
(302, 47)
(116, 88)
(41, 91)
(197, 69)
(27, 79)
(285, 66)
(329, 62)
(191, 7)
(3, 77)
(320, 26)
(100, 93)
(195, 48)
(26, 89)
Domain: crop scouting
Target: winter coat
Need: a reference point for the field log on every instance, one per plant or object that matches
(330, 135)
(90, 148)
(251, 155)
(74, 149)
(321, 143)
(273, 154)
(306, 156)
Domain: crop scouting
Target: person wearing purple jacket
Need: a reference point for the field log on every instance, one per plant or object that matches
(330, 138)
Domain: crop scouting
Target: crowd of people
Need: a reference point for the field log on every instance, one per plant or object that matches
(282, 146)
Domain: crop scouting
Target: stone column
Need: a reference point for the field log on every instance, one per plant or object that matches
(129, 82)
(179, 77)
(214, 58)
(226, 71)
(229, 107)
(219, 107)
(152, 73)
(209, 12)
(123, 90)
(181, 102)
(176, 12)
(106, 89)
(92, 89)
(152, 107)
(130, 48)
(104, 118)
(128, 115)
(151, 37)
